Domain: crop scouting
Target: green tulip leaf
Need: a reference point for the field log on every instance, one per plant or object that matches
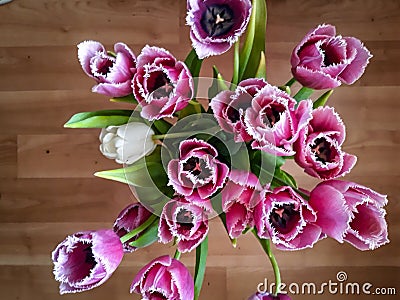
(200, 268)
(147, 237)
(262, 69)
(303, 93)
(193, 62)
(254, 43)
(102, 119)
(126, 99)
(321, 101)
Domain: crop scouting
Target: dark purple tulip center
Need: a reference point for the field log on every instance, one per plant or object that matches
(284, 217)
(322, 150)
(105, 66)
(233, 114)
(160, 84)
(185, 219)
(89, 258)
(197, 167)
(272, 115)
(154, 295)
(217, 20)
(331, 57)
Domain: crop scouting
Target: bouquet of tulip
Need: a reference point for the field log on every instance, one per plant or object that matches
(196, 148)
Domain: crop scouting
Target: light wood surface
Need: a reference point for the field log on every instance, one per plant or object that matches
(47, 189)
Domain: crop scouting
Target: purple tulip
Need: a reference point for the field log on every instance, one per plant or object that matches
(287, 219)
(129, 218)
(184, 221)
(350, 212)
(162, 85)
(229, 107)
(215, 25)
(274, 122)
(86, 260)
(239, 197)
(267, 296)
(318, 148)
(197, 173)
(325, 61)
(164, 278)
(113, 73)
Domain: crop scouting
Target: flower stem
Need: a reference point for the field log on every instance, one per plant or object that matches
(177, 254)
(184, 134)
(235, 78)
(266, 245)
(138, 229)
(290, 82)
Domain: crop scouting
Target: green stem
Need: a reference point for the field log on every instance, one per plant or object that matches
(290, 82)
(177, 254)
(235, 78)
(138, 229)
(182, 134)
(266, 245)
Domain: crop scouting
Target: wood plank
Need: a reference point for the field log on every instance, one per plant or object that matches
(367, 20)
(8, 154)
(49, 23)
(62, 200)
(49, 110)
(56, 156)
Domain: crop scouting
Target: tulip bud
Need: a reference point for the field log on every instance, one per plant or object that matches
(127, 143)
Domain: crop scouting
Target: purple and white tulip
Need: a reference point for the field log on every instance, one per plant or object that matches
(274, 122)
(113, 73)
(267, 296)
(350, 212)
(318, 148)
(239, 197)
(215, 25)
(184, 221)
(129, 218)
(287, 219)
(229, 107)
(324, 61)
(86, 260)
(162, 85)
(164, 278)
(197, 173)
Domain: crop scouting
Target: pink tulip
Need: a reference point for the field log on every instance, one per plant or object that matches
(274, 122)
(86, 260)
(215, 25)
(113, 73)
(324, 61)
(239, 197)
(184, 221)
(287, 219)
(162, 85)
(164, 278)
(229, 107)
(197, 173)
(128, 219)
(350, 212)
(318, 148)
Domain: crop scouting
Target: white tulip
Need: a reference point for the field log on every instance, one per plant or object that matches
(127, 143)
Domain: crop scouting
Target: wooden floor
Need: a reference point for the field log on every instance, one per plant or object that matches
(47, 189)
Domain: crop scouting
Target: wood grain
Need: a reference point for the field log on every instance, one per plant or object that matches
(47, 187)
